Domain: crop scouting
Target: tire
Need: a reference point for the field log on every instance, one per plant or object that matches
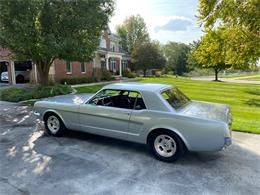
(54, 125)
(20, 79)
(166, 146)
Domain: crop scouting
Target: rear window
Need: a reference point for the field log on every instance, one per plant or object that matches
(175, 97)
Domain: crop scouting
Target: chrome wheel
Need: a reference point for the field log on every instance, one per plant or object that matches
(165, 145)
(53, 124)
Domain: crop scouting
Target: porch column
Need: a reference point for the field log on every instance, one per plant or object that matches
(107, 62)
(12, 69)
(120, 67)
(35, 75)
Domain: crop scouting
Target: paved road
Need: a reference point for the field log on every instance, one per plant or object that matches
(34, 163)
(230, 80)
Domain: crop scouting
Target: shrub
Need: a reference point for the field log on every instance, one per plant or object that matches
(77, 80)
(106, 75)
(158, 73)
(199, 72)
(36, 92)
(129, 74)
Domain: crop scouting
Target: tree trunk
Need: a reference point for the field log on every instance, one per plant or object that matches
(43, 67)
(216, 74)
(43, 77)
(144, 70)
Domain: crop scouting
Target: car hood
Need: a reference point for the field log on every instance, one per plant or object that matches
(71, 99)
(207, 110)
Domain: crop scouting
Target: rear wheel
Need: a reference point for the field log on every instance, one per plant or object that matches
(54, 125)
(166, 146)
(20, 79)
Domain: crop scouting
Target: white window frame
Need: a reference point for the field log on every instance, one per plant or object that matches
(69, 72)
(103, 43)
(124, 64)
(82, 72)
(113, 64)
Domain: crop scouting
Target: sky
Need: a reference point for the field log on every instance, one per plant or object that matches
(166, 20)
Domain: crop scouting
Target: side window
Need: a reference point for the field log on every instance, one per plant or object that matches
(119, 99)
(139, 102)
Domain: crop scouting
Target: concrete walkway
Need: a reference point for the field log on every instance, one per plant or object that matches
(231, 80)
(246, 77)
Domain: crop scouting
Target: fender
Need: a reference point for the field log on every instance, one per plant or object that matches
(170, 129)
(54, 111)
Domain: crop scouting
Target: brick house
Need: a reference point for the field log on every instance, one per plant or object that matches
(109, 56)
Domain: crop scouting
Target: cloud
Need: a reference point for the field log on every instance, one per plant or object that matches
(175, 24)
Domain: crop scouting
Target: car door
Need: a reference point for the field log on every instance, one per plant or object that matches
(139, 117)
(104, 120)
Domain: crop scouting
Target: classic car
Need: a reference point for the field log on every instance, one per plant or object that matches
(158, 115)
(20, 76)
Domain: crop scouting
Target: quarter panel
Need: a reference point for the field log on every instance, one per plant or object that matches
(197, 134)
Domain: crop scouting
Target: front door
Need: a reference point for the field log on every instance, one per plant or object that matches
(107, 114)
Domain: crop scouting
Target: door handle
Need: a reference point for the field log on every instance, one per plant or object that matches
(126, 113)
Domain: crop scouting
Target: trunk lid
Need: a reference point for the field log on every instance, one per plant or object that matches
(208, 110)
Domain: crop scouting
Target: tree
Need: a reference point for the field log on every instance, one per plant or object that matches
(240, 20)
(211, 52)
(176, 55)
(191, 60)
(132, 32)
(44, 30)
(146, 56)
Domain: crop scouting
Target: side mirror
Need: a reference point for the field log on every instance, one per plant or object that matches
(138, 107)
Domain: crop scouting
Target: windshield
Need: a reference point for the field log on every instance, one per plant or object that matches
(175, 97)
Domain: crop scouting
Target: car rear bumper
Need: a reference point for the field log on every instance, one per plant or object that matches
(227, 142)
(4, 79)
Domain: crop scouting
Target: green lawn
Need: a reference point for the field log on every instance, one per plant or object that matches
(89, 89)
(244, 98)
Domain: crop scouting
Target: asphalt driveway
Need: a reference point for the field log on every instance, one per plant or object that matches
(32, 162)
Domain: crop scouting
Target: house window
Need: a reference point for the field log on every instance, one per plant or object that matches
(113, 46)
(83, 67)
(69, 67)
(113, 65)
(124, 64)
(103, 42)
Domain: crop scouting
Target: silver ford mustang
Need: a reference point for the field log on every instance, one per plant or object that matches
(154, 114)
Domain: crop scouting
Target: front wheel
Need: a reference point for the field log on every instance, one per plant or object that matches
(54, 125)
(166, 146)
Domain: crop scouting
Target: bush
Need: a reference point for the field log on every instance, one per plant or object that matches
(106, 75)
(77, 80)
(98, 75)
(158, 73)
(36, 92)
(129, 74)
(200, 72)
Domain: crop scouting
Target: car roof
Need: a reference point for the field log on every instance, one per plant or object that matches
(138, 86)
